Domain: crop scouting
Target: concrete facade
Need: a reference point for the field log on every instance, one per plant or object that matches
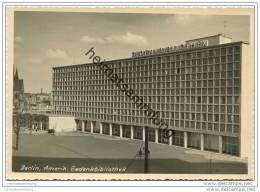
(200, 93)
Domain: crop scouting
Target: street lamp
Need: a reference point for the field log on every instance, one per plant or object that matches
(146, 151)
(19, 112)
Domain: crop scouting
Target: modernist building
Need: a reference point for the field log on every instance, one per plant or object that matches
(198, 88)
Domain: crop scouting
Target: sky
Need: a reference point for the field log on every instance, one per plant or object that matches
(43, 40)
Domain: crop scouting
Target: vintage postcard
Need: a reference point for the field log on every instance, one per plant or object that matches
(128, 93)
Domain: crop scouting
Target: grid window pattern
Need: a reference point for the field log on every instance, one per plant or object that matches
(198, 89)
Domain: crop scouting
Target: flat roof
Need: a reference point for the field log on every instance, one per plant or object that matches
(160, 54)
(220, 34)
(46, 114)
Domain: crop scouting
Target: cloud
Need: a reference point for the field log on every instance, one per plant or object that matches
(187, 19)
(18, 39)
(35, 60)
(127, 38)
(56, 54)
(87, 39)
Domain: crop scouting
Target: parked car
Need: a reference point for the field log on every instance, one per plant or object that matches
(51, 131)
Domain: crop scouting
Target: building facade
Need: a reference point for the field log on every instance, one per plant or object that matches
(198, 92)
(38, 102)
(46, 121)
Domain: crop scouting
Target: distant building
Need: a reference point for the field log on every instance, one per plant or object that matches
(18, 93)
(18, 99)
(38, 102)
(37, 115)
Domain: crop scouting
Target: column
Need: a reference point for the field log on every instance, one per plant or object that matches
(83, 126)
(43, 124)
(110, 129)
(101, 128)
(121, 130)
(132, 132)
(91, 126)
(77, 125)
(28, 122)
(220, 143)
(202, 142)
(185, 139)
(156, 135)
(143, 133)
(40, 125)
(170, 140)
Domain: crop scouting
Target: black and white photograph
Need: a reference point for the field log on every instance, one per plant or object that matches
(131, 92)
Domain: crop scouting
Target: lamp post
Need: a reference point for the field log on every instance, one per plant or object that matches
(146, 151)
(19, 113)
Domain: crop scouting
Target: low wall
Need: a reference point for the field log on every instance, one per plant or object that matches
(62, 124)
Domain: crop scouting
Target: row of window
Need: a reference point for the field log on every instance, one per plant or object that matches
(163, 109)
(223, 118)
(216, 52)
(153, 92)
(173, 68)
(151, 81)
(164, 75)
(158, 85)
(95, 100)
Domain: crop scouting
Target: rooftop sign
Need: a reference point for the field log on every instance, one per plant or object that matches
(182, 47)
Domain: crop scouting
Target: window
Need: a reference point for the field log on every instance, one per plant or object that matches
(210, 118)
(198, 117)
(229, 128)
(236, 82)
(236, 100)
(216, 117)
(209, 126)
(223, 51)
(230, 50)
(187, 115)
(229, 118)
(216, 100)
(236, 109)
(237, 49)
(204, 117)
(204, 100)
(222, 118)
(223, 100)
(210, 53)
(210, 108)
(198, 99)
(229, 100)
(210, 99)
(236, 118)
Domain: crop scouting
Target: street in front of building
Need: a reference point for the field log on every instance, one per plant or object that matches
(83, 150)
